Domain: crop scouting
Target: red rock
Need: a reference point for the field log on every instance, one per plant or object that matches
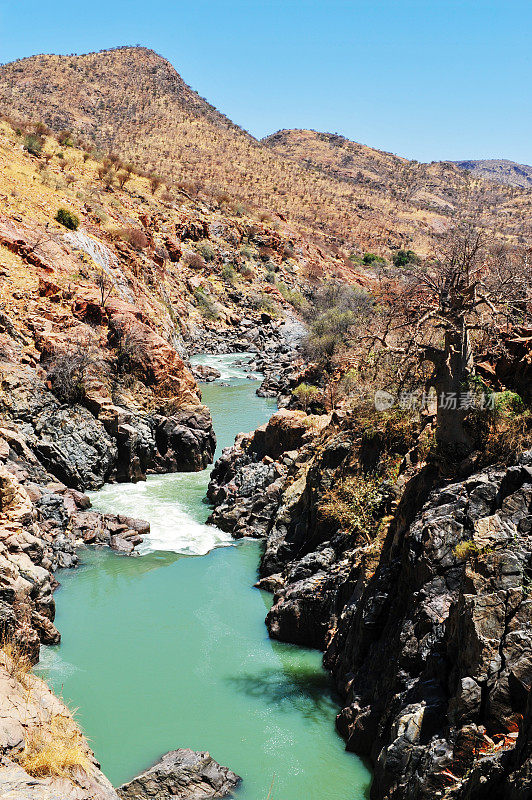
(174, 250)
(89, 310)
(47, 288)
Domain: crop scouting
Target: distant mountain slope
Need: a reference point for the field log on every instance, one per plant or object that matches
(132, 101)
(500, 170)
(422, 193)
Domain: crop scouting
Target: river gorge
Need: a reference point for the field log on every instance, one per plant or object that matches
(169, 649)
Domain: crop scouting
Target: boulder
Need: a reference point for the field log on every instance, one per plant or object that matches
(181, 775)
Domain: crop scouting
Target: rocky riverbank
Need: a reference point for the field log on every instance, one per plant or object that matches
(422, 607)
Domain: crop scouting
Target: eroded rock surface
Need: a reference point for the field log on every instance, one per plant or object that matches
(28, 707)
(182, 774)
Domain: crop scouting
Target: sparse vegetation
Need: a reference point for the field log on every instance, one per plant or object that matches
(134, 236)
(306, 394)
(69, 370)
(353, 504)
(207, 251)
(33, 143)
(207, 306)
(229, 274)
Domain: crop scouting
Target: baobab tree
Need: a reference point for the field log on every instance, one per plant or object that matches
(439, 311)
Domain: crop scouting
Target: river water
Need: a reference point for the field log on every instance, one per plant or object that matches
(170, 649)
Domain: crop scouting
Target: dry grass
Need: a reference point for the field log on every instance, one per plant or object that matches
(16, 660)
(54, 748)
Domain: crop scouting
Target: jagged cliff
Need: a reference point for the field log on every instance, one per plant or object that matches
(416, 588)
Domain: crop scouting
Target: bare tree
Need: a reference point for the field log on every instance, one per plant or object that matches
(105, 287)
(70, 368)
(439, 311)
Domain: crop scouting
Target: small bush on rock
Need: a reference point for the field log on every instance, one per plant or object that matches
(305, 394)
(33, 143)
(353, 503)
(67, 218)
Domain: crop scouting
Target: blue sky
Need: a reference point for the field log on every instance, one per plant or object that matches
(432, 79)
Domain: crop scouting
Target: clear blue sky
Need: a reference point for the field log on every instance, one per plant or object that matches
(427, 79)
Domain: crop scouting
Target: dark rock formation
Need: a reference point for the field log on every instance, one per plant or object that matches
(433, 655)
(183, 775)
(427, 627)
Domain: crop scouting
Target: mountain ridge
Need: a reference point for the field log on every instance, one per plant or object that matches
(132, 101)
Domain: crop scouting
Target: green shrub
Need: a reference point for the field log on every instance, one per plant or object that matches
(371, 258)
(67, 218)
(354, 503)
(404, 257)
(33, 143)
(207, 251)
(305, 394)
(207, 306)
(465, 550)
(262, 302)
(294, 297)
(508, 403)
(229, 274)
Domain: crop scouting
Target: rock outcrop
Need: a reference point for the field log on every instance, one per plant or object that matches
(182, 774)
(425, 620)
(30, 712)
(433, 655)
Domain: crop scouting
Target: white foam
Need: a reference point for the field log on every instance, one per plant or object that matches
(172, 526)
(53, 665)
(225, 364)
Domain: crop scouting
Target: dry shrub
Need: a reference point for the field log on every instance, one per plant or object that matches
(353, 504)
(54, 749)
(136, 237)
(509, 437)
(16, 660)
(194, 260)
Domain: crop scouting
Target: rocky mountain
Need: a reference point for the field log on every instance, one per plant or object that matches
(132, 101)
(501, 171)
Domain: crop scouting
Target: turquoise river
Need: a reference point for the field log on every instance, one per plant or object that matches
(170, 649)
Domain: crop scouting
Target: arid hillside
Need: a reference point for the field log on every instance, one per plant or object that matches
(131, 101)
(500, 170)
(408, 195)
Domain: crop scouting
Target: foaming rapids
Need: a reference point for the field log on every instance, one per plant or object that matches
(172, 524)
(174, 504)
(231, 366)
